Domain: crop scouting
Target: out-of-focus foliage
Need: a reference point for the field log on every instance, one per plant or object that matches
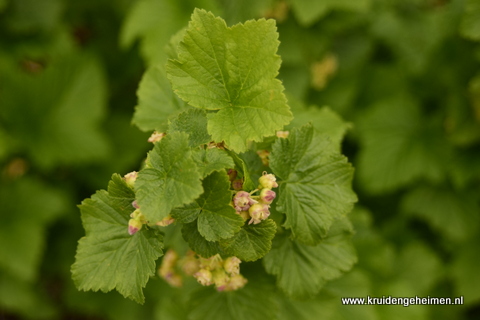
(405, 74)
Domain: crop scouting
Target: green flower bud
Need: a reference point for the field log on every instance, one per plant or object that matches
(204, 277)
(221, 279)
(236, 282)
(168, 220)
(232, 265)
(267, 181)
(267, 196)
(134, 226)
(130, 178)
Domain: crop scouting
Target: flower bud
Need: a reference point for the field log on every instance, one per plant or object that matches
(174, 279)
(237, 184)
(190, 264)
(212, 263)
(220, 278)
(204, 277)
(244, 214)
(168, 220)
(267, 196)
(232, 174)
(242, 201)
(258, 212)
(232, 265)
(156, 136)
(134, 226)
(267, 181)
(168, 262)
(130, 178)
(236, 282)
(263, 154)
(135, 204)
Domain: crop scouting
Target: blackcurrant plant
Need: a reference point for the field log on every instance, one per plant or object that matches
(235, 178)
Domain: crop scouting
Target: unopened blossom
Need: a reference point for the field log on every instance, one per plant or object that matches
(130, 178)
(220, 279)
(134, 226)
(168, 262)
(156, 136)
(212, 263)
(236, 282)
(283, 134)
(244, 214)
(267, 181)
(174, 279)
(242, 201)
(135, 204)
(190, 264)
(168, 220)
(232, 174)
(232, 265)
(263, 154)
(267, 196)
(258, 212)
(204, 277)
(237, 184)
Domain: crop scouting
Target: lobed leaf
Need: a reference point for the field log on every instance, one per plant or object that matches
(108, 257)
(209, 160)
(232, 70)
(171, 178)
(252, 242)
(302, 270)
(316, 184)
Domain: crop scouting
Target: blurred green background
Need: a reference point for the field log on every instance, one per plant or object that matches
(404, 73)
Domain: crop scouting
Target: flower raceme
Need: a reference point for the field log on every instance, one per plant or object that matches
(256, 208)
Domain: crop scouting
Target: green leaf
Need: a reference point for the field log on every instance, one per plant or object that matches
(29, 206)
(156, 101)
(255, 301)
(193, 122)
(65, 124)
(302, 270)
(470, 25)
(252, 242)
(419, 266)
(454, 214)
(396, 149)
(231, 70)
(171, 178)
(209, 160)
(307, 12)
(197, 242)
(153, 22)
(465, 272)
(324, 120)
(217, 219)
(316, 184)
(243, 171)
(108, 257)
(326, 305)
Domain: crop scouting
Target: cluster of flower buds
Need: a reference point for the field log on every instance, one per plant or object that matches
(224, 274)
(137, 220)
(256, 208)
(167, 269)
